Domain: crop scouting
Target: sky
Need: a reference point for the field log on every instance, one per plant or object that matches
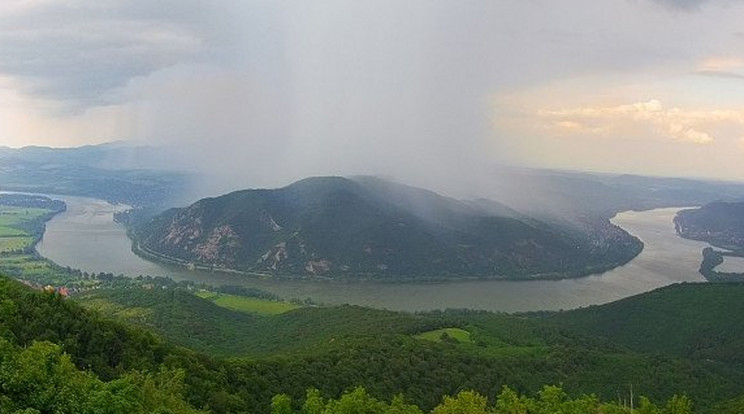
(417, 89)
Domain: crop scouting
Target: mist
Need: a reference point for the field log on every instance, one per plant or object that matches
(332, 89)
(335, 88)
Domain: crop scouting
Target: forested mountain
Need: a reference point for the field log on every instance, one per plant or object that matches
(719, 223)
(582, 203)
(370, 228)
(552, 193)
(113, 172)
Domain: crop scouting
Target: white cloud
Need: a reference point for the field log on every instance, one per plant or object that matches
(721, 63)
(649, 118)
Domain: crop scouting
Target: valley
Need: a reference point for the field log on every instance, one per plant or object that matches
(248, 343)
(232, 342)
(375, 207)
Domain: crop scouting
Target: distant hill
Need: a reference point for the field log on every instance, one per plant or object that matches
(719, 223)
(554, 194)
(366, 228)
(113, 172)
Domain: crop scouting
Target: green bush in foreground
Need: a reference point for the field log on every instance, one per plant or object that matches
(42, 379)
(551, 400)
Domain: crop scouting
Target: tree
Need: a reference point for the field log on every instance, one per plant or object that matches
(281, 404)
(645, 406)
(466, 402)
(355, 402)
(399, 406)
(550, 400)
(509, 402)
(678, 404)
(313, 402)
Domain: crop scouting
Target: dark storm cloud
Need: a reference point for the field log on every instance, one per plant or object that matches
(82, 51)
(683, 4)
(690, 5)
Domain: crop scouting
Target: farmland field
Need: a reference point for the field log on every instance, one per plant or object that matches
(13, 222)
(247, 304)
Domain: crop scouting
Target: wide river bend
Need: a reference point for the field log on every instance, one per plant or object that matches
(86, 237)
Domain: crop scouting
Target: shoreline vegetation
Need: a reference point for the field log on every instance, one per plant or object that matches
(712, 258)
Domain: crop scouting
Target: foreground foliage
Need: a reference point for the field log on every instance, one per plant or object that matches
(57, 357)
(337, 349)
(41, 378)
(550, 400)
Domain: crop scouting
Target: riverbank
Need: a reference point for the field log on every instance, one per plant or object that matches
(22, 223)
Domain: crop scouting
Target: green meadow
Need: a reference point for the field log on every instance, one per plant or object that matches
(444, 334)
(247, 304)
(14, 222)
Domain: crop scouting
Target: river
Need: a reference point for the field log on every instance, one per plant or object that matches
(86, 237)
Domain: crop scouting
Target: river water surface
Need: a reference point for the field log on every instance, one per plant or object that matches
(85, 237)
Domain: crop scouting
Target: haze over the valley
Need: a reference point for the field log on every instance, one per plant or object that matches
(432, 92)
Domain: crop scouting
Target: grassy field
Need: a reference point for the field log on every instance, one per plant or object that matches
(247, 304)
(130, 314)
(7, 231)
(12, 221)
(14, 243)
(459, 335)
(13, 216)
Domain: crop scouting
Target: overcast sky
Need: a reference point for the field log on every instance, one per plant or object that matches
(275, 91)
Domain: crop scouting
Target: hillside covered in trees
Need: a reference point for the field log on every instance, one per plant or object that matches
(720, 224)
(338, 349)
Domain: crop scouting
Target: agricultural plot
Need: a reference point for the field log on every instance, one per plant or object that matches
(20, 227)
(13, 222)
(247, 304)
(9, 244)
